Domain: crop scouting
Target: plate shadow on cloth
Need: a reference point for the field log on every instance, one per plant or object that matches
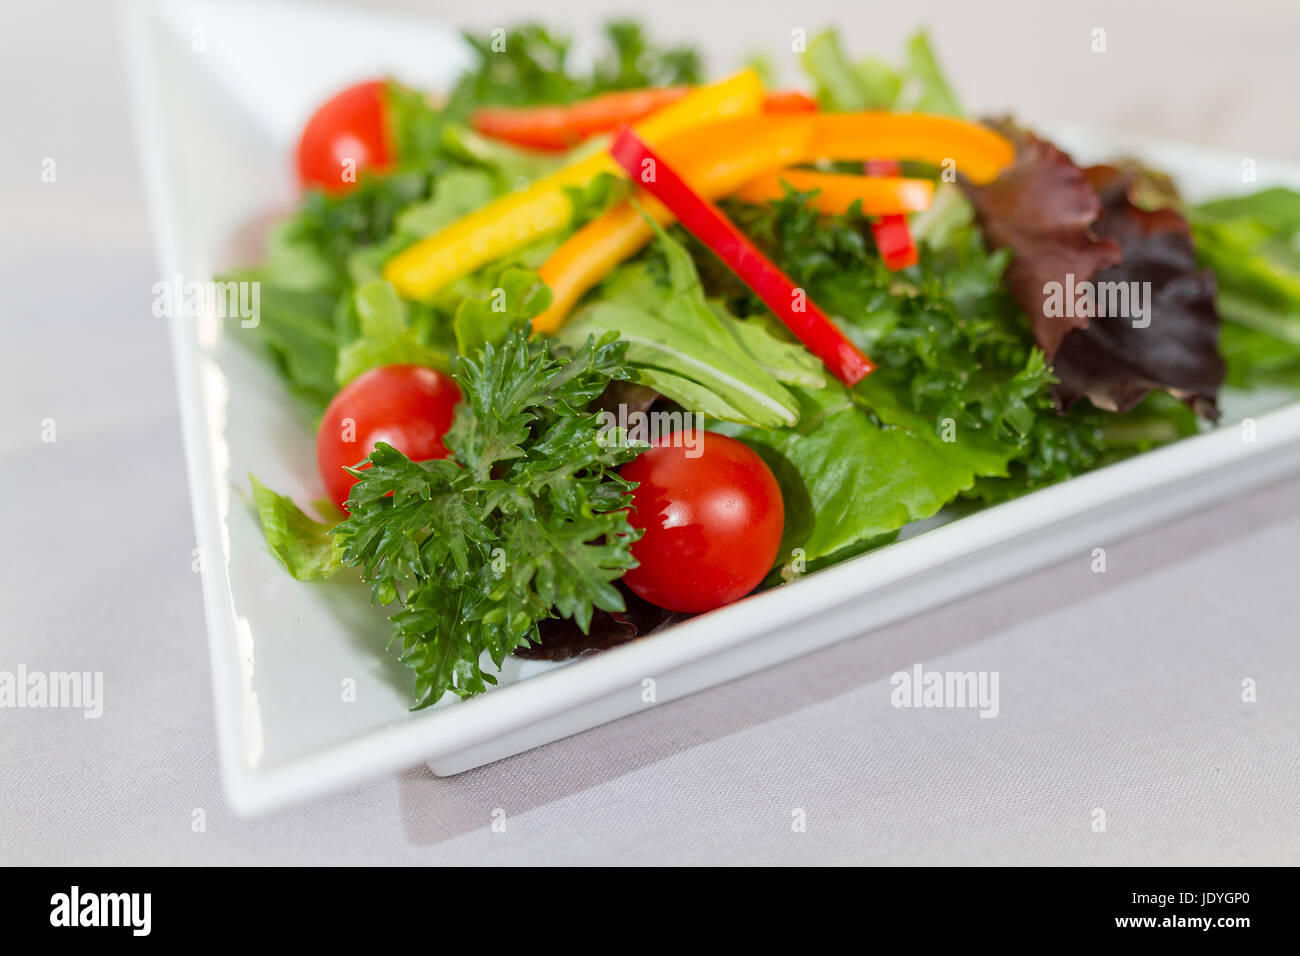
(434, 809)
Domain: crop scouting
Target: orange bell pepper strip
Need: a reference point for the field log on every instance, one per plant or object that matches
(514, 221)
(718, 159)
(975, 151)
(835, 193)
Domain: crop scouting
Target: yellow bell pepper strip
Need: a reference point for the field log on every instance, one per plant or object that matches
(590, 254)
(718, 159)
(880, 195)
(978, 153)
(778, 291)
(513, 221)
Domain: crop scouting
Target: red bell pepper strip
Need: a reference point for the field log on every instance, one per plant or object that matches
(563, 127)
(708, 224)
(892, 234)
(789, 101)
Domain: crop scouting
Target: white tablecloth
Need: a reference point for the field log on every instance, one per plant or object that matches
(1120, 691)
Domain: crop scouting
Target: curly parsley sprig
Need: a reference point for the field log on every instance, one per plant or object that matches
(525, 521)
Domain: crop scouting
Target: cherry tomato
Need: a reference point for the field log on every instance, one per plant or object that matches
(408, 406)
(346, 135)
(712, 515)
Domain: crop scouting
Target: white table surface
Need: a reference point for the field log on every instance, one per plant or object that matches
(1119, 690)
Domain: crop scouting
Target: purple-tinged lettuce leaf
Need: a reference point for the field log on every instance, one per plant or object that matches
(1069, 228)
(1043, 209)
(1113, 361)
(559, 639)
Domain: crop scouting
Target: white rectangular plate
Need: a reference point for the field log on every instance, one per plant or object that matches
(220, 92)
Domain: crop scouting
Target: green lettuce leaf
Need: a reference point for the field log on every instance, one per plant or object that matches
(518, 296)
(297, 332)
(385, 338)
(839, 87)
(847, 480)
(1253, 245)
(694, 351)
(294, 263)
(956, 364)
(456, 193)
(1255, 358)
(879, 83)
(934, 93)
(918, 86)
(304, 546)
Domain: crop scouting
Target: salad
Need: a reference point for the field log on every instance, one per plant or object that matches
(589, 352)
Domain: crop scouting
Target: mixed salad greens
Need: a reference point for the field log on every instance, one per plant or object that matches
(857, 291)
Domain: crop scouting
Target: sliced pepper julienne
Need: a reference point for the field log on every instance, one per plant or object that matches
(588, 255)
(565, 126)
(975, 151)
(718, 159)
(836, 193)
(513, 221)
(892, 233)
(593, 251)
(708, 224)
(789, 101)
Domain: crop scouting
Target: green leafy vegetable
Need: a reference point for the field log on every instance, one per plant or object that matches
(1255, 358)
(848, 480)
(385, 338)
(955, 363)
(1253, 244)
(528, 65)
(456, 193)
(295, 264)
(326, 314)
(958, 370)
(918, 86)
(838, 86)
(297, 332)
(337, 225)
(518, 296)
(954, 366)
(933, 92)
(693, 351)
(524, 522)
(634, 62)
(305, 546)
(879, 83)
(596, 197)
